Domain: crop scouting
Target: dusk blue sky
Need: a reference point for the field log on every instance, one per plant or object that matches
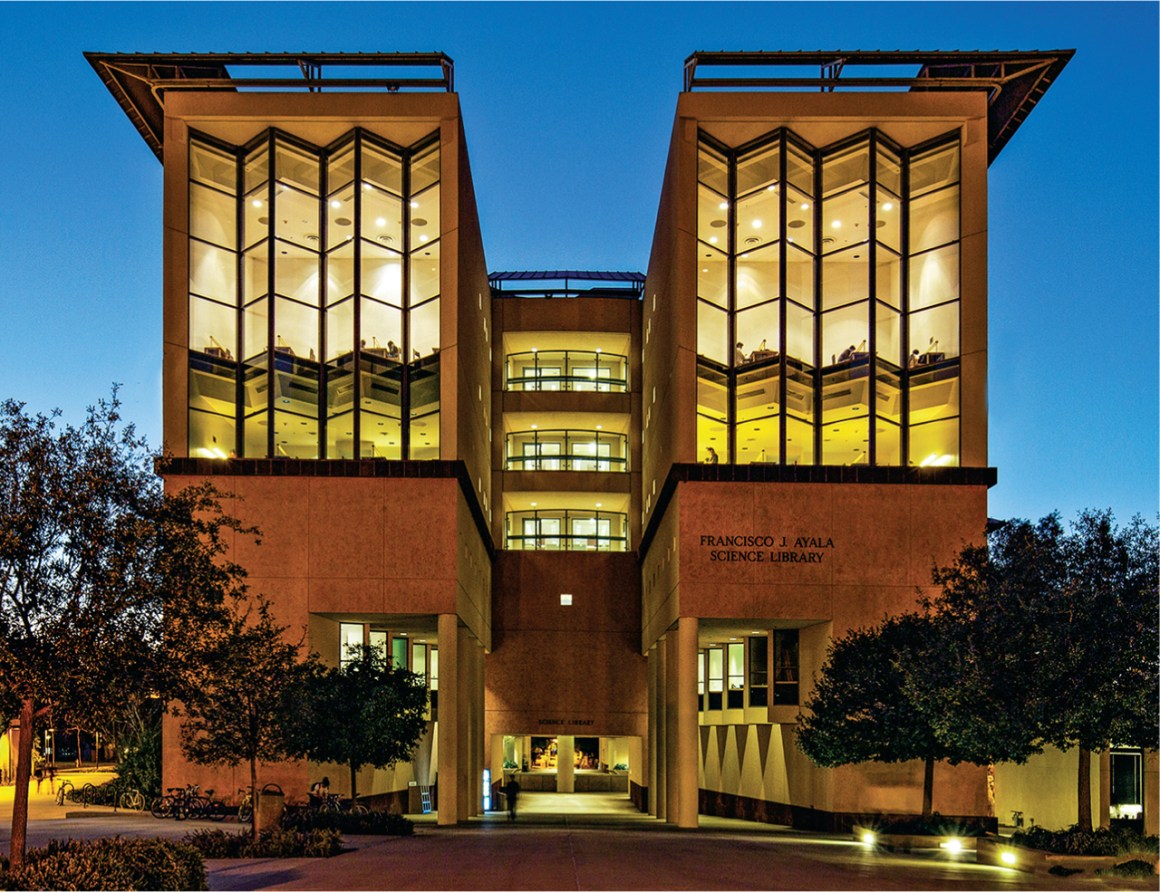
(568, 110)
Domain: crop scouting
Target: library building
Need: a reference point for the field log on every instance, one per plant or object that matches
(614, 519)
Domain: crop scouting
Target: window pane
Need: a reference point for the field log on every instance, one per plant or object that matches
(382, 327)
(758, 441)
(340, 218)
(934, 394)
(757, 393)
(382, 274)
(296, 217)
(256, 272)
(256, 215)
(256, 425)
(712, 276)
(213, 272)
(934, 334)
(934, 277)
(759, 169)
(934, 219)
(340, 330)
(213, 167)
(799, 214)
(712, 333)
(888, 334)
(934, 169)
(295, 436)
(888, 444)
(889, 224)
(711, 169)
(257, 170)
(759, 332)
(295, 330)
(340, 273)
(845, 169)
(889, 399)
(758, 277)
(255, 330)
(424, 217)
(799, 170)
(712, 217)
(889, 169)
(785, 667)
(716, 669)
(425, 168)
(382, 169)
(799, 442)
(350, 639)
(382, 217)
(845, 331)
(425, 273)
(758, 219)
(888, 278)
(799, 334)
(845, 278)
(211, 435)
(425, 329)
(213, 328)
(340, 434)
(845, 221)
(296, 273)
(296, 167)
(212, 216)
(799, 276)
(340, 168)
(847, 442)
(935, 444)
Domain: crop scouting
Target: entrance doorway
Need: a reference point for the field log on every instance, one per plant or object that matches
(1127, 799)
(566, 774)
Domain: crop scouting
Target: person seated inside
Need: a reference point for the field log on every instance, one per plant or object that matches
(915, 357)
(739, 355)
(847, 354)
(393, 351)
(711, 458)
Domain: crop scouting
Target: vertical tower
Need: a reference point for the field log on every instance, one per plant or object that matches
(814, 418)
(326, 331)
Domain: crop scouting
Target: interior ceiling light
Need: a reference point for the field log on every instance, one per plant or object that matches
(772, 188)
(837, 224)
(712, 241)
(414, 204)
(888, 206)
(335, 203)
(805, 205)
(756, 224)
(724, 206)
(257, 202)
(380, 221)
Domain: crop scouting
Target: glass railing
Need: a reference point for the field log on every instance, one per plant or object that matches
(567, 530)
(577, 370)
(566, 450)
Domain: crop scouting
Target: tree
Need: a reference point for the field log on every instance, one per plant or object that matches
(365, 712)
(1058, 636)
(234, 697)
(99, 572)
(865, 706)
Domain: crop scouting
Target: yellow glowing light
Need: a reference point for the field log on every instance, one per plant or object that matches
(535, 427)
(380, 221)
(257, 202)
(723, 206)
(868, 838)
(599, 349)
(756, 224)
(888, 206)
(414, 204)
(423, 237)
(837, 224)
(805, 205)
(772, 188)
(335, 203)
(953, 845)
(1007, 857)
(712, 240)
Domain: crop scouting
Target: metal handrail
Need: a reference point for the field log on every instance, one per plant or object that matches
(567, 459)
(564, 363)
(564, 539)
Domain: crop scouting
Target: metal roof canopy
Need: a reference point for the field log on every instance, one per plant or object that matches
(139, 81)
(1014, 81)
(616, 284)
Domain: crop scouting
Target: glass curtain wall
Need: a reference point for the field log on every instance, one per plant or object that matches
(319, 268)
(827, 302)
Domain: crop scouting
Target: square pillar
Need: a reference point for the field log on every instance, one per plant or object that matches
(1151, 793)
(565, 764)
(681, 747)
(449, 725)
(659, 729)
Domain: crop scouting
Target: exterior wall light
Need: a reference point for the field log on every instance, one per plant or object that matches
(565, 600)
(868, 838)
(1008, 858)
(953, 845)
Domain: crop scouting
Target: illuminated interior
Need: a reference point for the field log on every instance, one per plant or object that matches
(314, 316)
(828, 302)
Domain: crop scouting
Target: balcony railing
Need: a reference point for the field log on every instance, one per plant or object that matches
(567, 530)
(577, 370)
(566, 450)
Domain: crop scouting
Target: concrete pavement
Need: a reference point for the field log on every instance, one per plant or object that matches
(585, 841)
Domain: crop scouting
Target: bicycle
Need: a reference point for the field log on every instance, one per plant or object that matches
(246, 805)
(132, 800)
(64, 793)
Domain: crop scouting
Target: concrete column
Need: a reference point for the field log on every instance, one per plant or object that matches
(1103, 817)
(565, 764)
(1151, 793)
(464, 752)
(449, 726)
(681, 793)
(650, 778)
(662, 729)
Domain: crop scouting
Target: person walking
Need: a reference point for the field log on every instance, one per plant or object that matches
(512, 792)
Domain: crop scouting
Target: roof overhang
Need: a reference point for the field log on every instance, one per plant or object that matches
(139, 81)
(1013, 81)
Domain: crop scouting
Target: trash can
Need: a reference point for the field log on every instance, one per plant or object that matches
(271, 806)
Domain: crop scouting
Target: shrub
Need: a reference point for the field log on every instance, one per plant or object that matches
(1074, 841)
(375, 823)
(116, 863)
(1136, 869)
(319, 843)
(139, 765)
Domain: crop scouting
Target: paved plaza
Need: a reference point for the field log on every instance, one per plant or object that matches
(582, 841)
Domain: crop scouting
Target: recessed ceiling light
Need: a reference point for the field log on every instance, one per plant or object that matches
(335, 203)
(888, 206)
(724, 206)
(712, 241)
(756, 224)
(257, 202)
(414, 204)
(805, 205)
(837, 224)
(535, 427)
(380, 221)
(599, 504)
(423, 237)
(600, 427)
(772, 188)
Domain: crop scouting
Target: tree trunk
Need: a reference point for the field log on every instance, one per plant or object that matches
(928, 786)
(23, 774)
(353, 782)
(1084, 790)
(255, 799)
